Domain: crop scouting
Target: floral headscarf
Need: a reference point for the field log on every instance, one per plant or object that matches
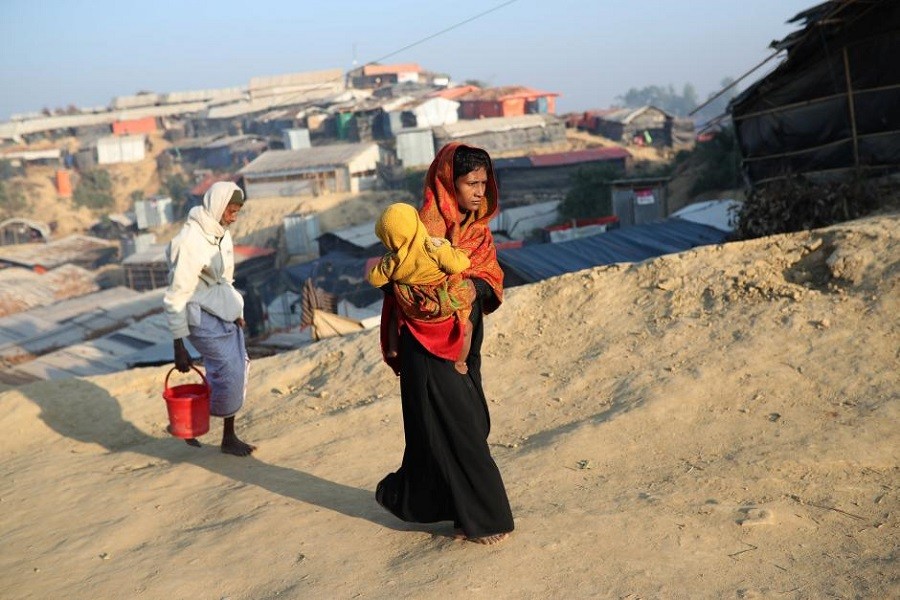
(469, 232)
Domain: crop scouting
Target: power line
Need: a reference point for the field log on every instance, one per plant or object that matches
(408, 46)
(443, 31)
(839, 6)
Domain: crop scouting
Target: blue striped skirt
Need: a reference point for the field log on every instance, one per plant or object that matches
(221, 344)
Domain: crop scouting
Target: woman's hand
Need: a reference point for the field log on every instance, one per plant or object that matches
(240, 322)
(482, 289)
(182, 357)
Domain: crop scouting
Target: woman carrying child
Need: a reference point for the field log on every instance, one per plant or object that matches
(447, 472)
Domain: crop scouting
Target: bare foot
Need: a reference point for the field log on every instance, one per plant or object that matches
(490, 540)
(459, 535)
(233, 445)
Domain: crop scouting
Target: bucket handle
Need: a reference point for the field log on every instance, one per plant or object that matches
(203, 377)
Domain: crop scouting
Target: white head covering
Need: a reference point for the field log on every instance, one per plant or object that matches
(215, 200)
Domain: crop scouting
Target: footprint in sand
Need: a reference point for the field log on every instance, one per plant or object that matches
(753, 516)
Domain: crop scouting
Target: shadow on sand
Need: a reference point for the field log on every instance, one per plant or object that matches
(97, 418)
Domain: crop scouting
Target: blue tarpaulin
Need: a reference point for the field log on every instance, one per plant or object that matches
(338, 274)
(536, 262)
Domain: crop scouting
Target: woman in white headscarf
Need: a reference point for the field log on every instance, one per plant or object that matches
(202, 305)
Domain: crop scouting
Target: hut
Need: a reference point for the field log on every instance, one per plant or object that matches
(552, 173)
(312, 171)
(507, 101)
(374, 76)
(121, 149)
(646, 125)
(832, 107)
(23, 231)
(501, 134)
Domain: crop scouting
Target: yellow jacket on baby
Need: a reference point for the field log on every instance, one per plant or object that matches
(413, 258)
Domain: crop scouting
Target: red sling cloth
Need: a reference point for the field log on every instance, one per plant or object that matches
(467, 231)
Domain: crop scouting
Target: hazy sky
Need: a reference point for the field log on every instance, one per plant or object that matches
(85, 52)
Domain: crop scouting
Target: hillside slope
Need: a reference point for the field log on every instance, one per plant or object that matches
(716, 424)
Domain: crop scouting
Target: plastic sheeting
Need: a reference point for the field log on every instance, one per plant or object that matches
(834, 103)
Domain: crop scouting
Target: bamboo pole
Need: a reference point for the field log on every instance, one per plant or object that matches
(851, 108)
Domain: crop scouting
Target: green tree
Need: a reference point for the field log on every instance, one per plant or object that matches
(176, 188)
(591, 193)
(720, 163)
(7, 170)
(719, 106)
(94, 190)
(12, 200)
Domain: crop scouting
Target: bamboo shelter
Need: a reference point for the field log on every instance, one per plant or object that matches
(832, 107)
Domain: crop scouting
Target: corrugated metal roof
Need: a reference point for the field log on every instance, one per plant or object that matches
(23, 289)
(305, 159)
(235, 140)
(154, 253)
(14, 328)
(721, 214)
(455, 93)
(359, 235)
(519, 221)
(240, 108)
(579, 156)
(375, 70)
(537, 262)
(468, 127)
(297, 79)
(55, 253)
(72, 307)
(270, 98)
(76, 320)
(61, 351)
(16, 129)
(516, 162)
(412, 103)
(157, 354)
(508, 92)
(627, 115)
(217, 94)
(194, 143)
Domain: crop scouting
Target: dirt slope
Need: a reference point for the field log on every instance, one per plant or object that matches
(716, 424)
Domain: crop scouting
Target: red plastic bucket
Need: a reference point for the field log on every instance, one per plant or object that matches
(188, 406)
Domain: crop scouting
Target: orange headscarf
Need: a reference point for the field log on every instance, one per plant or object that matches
(469, 232)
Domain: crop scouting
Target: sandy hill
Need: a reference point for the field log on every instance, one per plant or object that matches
(716, 424)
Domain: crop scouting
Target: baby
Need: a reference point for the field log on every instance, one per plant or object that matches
(425, 273)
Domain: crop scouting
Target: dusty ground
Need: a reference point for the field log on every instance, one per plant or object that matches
(716, 424)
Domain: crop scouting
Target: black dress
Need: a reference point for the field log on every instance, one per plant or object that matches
(447, 473)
